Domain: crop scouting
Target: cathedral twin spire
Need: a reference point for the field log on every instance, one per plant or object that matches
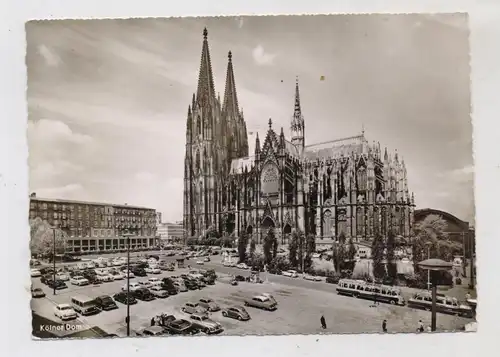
(298, 124)
(206, 87)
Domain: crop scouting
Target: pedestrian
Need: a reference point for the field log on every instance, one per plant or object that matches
(384, 326)
(467, 296)
(152, 321)
(323, 322)
(420, 326)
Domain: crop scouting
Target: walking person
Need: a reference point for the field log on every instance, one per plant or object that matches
(152, 321)
(323, 322)
(384, 326)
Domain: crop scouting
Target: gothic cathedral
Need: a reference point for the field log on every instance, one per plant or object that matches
(346, 185)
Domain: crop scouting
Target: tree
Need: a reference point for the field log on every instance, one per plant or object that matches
(339, 253)
(310, 248)
(252, 248)
(429, 238)
(42, 238)
(378, 257)
(242, 247)
(293, 248)
(392, 268)
(270, 245)
(351, 251)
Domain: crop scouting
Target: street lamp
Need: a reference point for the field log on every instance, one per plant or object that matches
(54, 259)
(434, 265)
(127, 236)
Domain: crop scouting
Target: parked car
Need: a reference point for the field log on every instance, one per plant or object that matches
(84, 305)
(158, 292)
(79, 280)
(242, 266)
(181, 327)
(122, 298)
(37, 293)
(62, 276)
(105, 278)
(105, 302)
(145, 284)
(229, 264)
(152, 270)
(154, 281)
(132, 286)
(236, 312)
(139, 271)
(291, 273)
(153, 331)
(168, 285)
(116, 275)
(200, 262)
(205, 324)
(35, 273)
(333, 279)
(193, 307)
(181, 287)
(191, 284)
(194, 274)
(208, 304)
(65, 312)
(312, 277)
(57, 284)
(206, 259)
(143, 294)
(261, 302)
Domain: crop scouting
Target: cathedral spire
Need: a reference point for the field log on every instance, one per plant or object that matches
(230, 99)
(298, 125)
(205, 78)
(257, 145)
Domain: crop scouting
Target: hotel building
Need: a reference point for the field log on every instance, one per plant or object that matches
(94, 226)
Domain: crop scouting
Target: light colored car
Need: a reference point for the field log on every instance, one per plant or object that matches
(81, 266)
(242, 266)
(195, 274)
(193, 307)
(65, 312)
(200, 262)
(62, 276)
(78, 280)
(262, 302)
(145, 284)
(129, 274)
(35, 273)
(132, 286)
(209, 304)
(117, 275)
(290, 273)
(229, 264)
(91, 264)
(152, 331)
(152, 270)
(181, 287)
(312, 277)
(105, 278)
(101, 271)
(205, 324)
(157, 291)
(155, 281)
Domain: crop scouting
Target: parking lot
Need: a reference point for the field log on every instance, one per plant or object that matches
(299, 309)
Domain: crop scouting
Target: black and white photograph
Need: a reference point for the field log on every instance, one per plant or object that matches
(251, 175)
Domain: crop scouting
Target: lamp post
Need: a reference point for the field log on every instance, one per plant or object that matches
(127, 235)
(434, 265)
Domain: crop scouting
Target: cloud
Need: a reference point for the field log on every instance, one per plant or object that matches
(48, 131)
(48, 169)
(50, 57)
(261, 57)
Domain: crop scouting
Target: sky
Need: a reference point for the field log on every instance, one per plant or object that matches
(108, 99)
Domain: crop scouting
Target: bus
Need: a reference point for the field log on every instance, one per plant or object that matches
(363, 290)
(444, 304)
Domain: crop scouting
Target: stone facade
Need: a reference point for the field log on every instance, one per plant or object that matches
(346, 185)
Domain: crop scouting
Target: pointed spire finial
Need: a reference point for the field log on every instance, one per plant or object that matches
(205, 33)
(363, 129)
(270, 123)
(229, 56)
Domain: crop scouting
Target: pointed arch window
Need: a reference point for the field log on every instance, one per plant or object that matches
(360, 221)
(197, 161)
(362, 179)
(198, 125)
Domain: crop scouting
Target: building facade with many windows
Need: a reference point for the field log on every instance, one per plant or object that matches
(170, 233)
(93, 226)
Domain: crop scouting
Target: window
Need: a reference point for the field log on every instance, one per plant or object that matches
(270, 180)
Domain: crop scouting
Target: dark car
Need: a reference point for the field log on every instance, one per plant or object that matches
(91, 276)
(58, 284)
(154, 256)
(168, 285)
(191, 284)
(138, 271)
(181, 327)
(333, 279)
(46, 278)
(239, 278)
(164, 320)
(143, 294)
(201, 283)
(105, 303)
(46, 271)
(122, 297)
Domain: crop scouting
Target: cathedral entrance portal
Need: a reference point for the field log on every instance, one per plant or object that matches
(285, 237)
(267, 223)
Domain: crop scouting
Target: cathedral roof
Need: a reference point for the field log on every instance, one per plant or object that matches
(291, 149)
(335, 148)
(238, 165)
